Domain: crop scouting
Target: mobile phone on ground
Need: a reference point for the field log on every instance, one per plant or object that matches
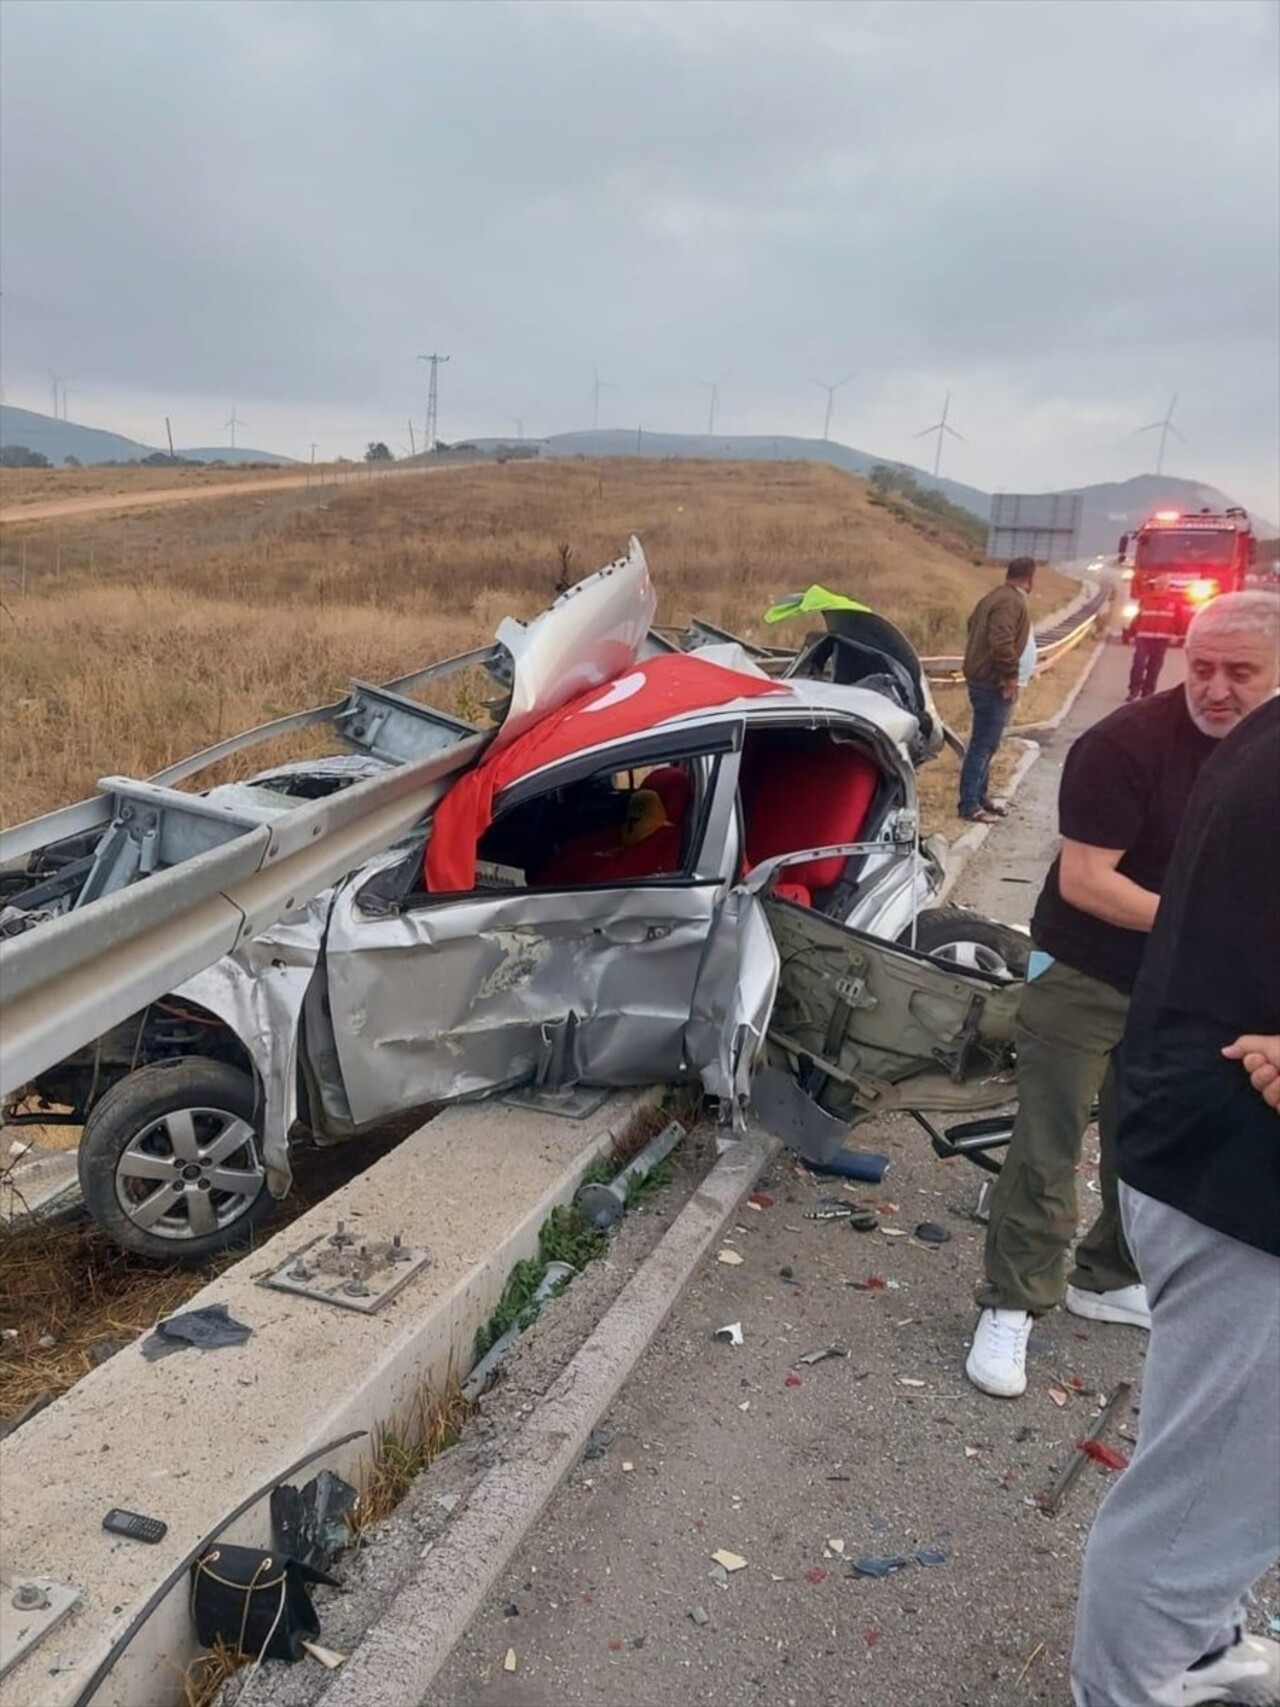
(135, 1526)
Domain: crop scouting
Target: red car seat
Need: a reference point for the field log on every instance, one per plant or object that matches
(806, 795)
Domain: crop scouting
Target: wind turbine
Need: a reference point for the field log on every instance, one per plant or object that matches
(713, 386)
(597, 387)
(942, 429)
(233, 423)
(831, 398)
(1164, 427)
(56, 380)
(518, 421)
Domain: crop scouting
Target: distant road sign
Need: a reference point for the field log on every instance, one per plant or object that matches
(1043, 525)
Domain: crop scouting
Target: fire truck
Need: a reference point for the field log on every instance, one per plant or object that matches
(1197, 553)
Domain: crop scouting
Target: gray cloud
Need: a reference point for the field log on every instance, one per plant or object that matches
(1061, 212)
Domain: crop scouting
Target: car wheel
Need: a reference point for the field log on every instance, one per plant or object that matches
(171, 1160)
(970, 941)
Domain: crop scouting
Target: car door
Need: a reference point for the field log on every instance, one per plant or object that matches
(573, 982)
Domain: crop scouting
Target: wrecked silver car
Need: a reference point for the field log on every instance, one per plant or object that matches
(666, 865)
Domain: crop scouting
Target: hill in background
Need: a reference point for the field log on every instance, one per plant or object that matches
(59, 440)
(1110, 509)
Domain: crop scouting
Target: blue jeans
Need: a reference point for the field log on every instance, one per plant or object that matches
(991, 713)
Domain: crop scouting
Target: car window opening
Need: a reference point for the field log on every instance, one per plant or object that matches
(801, 788)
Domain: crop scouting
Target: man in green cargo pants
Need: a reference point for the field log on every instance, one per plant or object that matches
(1124, 789)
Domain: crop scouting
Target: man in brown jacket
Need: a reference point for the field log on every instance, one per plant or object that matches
(999, 630)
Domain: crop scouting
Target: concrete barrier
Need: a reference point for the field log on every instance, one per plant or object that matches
(190, 1437)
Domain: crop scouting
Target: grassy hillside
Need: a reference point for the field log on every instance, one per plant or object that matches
(141, 638)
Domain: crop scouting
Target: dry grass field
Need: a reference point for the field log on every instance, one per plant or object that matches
(130, 640)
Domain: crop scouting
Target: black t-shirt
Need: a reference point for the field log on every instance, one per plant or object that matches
(1194, 1133)
(1125, 784)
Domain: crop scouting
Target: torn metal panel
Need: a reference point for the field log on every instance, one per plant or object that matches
(590, 635)
(463, 997)
(729, 1017)
(258, 991)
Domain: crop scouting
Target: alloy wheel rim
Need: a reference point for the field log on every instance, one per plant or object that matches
(189, 1174)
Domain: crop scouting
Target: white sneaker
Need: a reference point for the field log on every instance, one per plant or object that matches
(1126, 1305)
(997, 1361)
(1247, 1674)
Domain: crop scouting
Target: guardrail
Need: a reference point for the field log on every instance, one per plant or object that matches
(67, 981)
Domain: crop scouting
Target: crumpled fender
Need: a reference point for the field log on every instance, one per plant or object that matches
(257, 992)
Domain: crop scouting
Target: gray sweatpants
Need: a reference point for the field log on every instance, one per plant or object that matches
(1194, 1521)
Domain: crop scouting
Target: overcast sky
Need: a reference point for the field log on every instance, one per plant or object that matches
(1060, 213)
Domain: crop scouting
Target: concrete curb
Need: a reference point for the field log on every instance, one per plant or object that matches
(401, 1655)
(189, 1438)
(965, 846)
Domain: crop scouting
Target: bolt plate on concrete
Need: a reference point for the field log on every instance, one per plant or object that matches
(22, 1628)
(351, 1270)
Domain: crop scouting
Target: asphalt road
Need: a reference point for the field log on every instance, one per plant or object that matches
(612, 1600)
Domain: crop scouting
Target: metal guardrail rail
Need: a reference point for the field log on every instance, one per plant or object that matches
(1052, 643)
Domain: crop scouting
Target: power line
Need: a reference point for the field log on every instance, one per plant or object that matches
(433, 399)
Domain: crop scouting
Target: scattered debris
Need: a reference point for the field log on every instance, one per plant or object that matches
(310, 1523)
(930, 1233)
(598, 1443)
(208, 1328)
(894, 1232)
(329, 1658)
(1103, 1454)
(731, 1259)
(815, 1576)
(1058, 1396)
(792, 1380)
(880, 1564)
(910, 1381)
(447, 1503)
(729, 1561)
(760, 1200)
(836, 1547)
(825, 1352)
(786, 1274)
(509, 1660)
(930, 1556)
(699, 1615)
(1032, 1657)
(732, 1331)
(745, 1405)
(1050, 1502)
(627, 1466)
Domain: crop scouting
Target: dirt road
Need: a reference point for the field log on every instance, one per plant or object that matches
(104, 503)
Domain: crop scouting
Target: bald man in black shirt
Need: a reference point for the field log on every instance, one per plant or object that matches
(1194, 1522)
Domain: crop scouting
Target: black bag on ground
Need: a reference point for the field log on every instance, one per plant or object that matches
(255, 1602)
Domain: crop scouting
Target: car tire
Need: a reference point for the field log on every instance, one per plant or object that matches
(170, 1161)
(970, 941)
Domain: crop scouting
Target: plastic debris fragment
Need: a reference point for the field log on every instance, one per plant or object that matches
(208, 1328)
(1103, 1454)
